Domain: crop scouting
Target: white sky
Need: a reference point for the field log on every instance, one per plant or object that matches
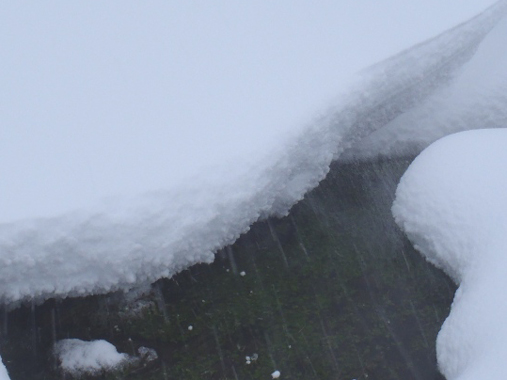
(120, 97)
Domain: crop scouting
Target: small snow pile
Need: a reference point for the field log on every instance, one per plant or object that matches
(3, 371)
(78, 357)
(452, 204)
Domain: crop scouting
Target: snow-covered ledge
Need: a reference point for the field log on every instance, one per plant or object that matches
(452, 204)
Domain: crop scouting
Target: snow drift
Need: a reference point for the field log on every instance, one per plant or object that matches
(125, 242)
(452, 204)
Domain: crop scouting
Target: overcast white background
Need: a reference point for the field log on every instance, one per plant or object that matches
(121, 97)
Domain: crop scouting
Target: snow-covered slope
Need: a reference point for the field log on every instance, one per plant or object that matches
(124, 242)
(452, 204)
(475, 98)
(120, 98)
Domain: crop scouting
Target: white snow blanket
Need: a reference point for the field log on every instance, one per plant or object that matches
(124, 242)
(452, 204)
(79, 357)
(475, 98)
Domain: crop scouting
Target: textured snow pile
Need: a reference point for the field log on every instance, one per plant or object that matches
(476, 97)
(125, 242)
(79, 357)
(452, 204)
(3, 371)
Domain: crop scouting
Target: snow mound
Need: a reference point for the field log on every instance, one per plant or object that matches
(126, 242)
(452, 205)
(3, 371)
(78, 357)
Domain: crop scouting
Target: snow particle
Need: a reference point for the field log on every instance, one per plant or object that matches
(147, 354)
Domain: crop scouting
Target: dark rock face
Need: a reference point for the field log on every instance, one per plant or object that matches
(332, 291)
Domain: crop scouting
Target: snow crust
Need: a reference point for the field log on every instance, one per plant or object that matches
(452, 204)
(79, 357)
(124, 242)
(3, 371)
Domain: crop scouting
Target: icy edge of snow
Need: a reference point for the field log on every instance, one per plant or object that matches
(452, 204)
